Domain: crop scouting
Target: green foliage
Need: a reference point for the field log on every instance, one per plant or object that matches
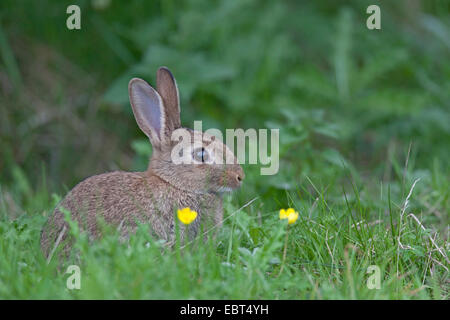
(328, 251)
(362, 114)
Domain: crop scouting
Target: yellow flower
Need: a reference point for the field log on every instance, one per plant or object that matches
(289, 214)
(186, 215)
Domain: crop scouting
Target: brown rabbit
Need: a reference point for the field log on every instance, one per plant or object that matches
(123, 198)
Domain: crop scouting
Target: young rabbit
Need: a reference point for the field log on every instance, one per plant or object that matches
(123, 198)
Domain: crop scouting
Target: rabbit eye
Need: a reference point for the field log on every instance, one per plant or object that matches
(201, 155)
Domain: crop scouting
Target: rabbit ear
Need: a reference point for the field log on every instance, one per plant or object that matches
(167, 88)
(148, 109)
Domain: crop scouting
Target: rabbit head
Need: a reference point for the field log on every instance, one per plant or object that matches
(189, 160)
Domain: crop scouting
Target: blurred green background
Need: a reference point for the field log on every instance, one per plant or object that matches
(348, 100)
(362, 114)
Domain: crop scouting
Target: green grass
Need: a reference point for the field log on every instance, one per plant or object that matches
(362, 115)
(325, 255)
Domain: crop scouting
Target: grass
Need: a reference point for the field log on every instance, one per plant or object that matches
(364, 123)
(326, 254)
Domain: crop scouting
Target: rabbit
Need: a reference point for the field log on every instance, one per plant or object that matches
(123, 198)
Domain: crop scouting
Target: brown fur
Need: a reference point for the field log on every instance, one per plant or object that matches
(123, 198)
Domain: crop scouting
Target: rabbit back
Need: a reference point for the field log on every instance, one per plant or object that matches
(122, 199)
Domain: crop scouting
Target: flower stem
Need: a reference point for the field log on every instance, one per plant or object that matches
(284, 250)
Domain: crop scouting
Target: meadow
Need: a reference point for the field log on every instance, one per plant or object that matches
(364, 119)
